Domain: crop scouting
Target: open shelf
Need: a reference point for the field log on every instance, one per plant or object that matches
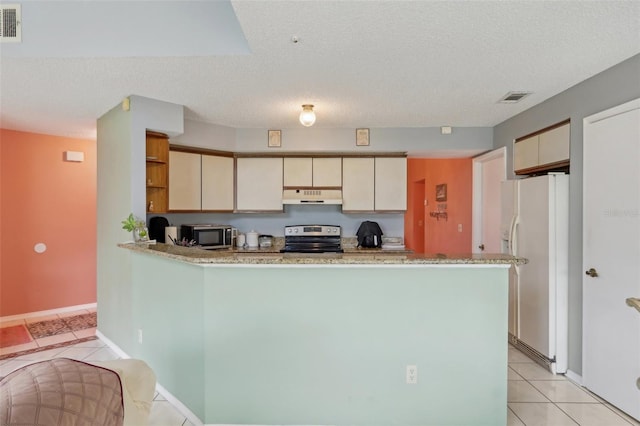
(157, 152)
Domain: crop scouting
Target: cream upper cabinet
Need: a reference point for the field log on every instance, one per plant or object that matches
(358, 180)
(259, 184)
(217, 183)
(327, 171)
(374, 184)
(298, 171)
(547, 150)
(390, 184)
(553, 146)
(184, 181)
(316, 172)
(525, 153)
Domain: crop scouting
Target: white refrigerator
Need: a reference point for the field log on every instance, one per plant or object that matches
(535, 225)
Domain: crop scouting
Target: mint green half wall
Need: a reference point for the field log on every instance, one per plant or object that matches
(320, 345)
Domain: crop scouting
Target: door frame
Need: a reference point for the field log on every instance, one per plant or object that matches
(477, 213)
(418, 212)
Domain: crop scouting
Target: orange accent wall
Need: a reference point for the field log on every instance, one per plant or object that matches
(44, 199)
(438, 236)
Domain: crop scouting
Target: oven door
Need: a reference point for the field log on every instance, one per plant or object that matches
(310, 244)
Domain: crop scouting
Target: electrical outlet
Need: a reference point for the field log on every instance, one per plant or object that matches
(412, 375)
(459, 227)
(139, 335)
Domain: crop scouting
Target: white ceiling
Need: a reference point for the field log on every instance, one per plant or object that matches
(362, 63)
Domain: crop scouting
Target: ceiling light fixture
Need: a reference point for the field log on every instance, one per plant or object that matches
(307, 116)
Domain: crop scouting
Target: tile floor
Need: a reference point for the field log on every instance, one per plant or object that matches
(49, 340)
(535, 396)
(162, 412)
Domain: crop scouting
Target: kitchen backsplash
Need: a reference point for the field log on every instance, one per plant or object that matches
(273, 223)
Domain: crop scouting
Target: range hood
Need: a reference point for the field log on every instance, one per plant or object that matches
(312, 196)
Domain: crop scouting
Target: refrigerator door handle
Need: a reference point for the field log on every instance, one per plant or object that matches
(512, 236)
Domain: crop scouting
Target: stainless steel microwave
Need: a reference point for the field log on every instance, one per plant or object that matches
(209, 236)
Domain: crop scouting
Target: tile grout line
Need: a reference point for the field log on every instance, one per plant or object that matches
(55, 317)
(89, 355)
(180, 419)
(593, 403)
(553, 402)
(567, 414)
(581, 388)
(612, 408)
(514, 413)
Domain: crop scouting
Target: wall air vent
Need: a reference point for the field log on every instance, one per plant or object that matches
(10, 23)
(513, 97)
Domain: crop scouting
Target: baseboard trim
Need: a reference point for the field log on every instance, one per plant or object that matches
(111, 345)
(179, 405)
(574, 377)
(161, 390)
(48, 312)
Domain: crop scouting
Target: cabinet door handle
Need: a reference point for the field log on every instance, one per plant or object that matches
(481, 247)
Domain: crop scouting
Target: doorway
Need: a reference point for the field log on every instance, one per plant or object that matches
(488, 171)
(418, 215)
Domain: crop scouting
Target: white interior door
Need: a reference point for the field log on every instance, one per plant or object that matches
(611, 241)
(489, 170)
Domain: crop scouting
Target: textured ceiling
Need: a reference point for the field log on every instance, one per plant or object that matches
(362, 63)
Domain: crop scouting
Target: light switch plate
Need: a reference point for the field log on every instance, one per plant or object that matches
(75, 156)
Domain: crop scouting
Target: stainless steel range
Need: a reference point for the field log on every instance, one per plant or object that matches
(312, 239)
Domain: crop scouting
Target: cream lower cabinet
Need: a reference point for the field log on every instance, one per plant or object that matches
(184, 181)
(358, 184)
(259, 184)
(217, 183)
(390, 184)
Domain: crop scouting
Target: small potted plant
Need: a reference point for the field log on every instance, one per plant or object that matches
(137, 226)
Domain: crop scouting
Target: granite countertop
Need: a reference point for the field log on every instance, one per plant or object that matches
(349, 245)
(356, 257)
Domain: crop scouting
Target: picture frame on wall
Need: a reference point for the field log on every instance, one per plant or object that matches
(441, 192)
(274, 139)
(362, 137)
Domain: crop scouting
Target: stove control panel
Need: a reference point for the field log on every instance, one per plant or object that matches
(312, 230)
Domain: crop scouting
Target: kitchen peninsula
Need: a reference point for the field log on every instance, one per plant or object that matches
(243, 338)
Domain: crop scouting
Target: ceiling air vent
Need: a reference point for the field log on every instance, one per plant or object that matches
(513, 97)
(10, 25)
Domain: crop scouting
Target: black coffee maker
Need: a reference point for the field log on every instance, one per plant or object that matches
(369, 235)
(156, 228)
